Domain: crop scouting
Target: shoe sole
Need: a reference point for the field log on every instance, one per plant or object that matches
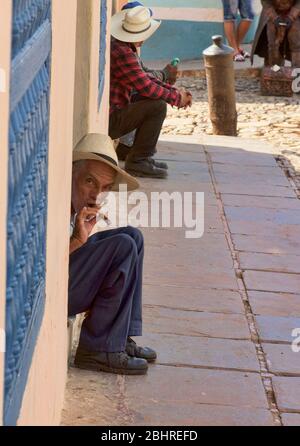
(139, 174)
(161, 167)
(142, 357)
(103, 368)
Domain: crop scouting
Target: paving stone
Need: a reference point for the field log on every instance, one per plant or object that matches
(238, 158)
(287, 391)
(277, 328)
(267, 171)
(179, 144)
(182, 186)
(195, 260)
(162, 414)
(289, 244)
(183, 156)
(193, 299)
(176, 384)
(202, 351)
(207, 220)
(164, 320)
(281, 359)
(267, 229)
(211, 249)
(270, 262)
(261, 202)
(200, 277)
(248, 179)
(188, 170)
(166, 396)
(278, 216)
(275, 282)
(237, 146)
(275, 304)
(290, 419)
(258, 190)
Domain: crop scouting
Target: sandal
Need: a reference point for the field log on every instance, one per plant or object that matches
(245, 54)
(238, 58)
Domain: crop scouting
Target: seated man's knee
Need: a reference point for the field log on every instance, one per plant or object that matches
(136, 235)
(160, 107)
(126, 244)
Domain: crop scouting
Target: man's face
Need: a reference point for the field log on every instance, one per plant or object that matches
(90, 178)
(283, 5)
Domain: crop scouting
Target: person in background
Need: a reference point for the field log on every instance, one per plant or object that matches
(274, 42)
(129, 30)
(236, 34)
(168, 74)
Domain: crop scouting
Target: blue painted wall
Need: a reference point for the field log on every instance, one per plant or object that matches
(182, 39)
(185, 39)
(27, 193)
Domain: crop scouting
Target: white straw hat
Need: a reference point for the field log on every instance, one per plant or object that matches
(133, 25)
(95, 146)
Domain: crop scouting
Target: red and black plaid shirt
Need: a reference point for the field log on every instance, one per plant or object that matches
(127, 75)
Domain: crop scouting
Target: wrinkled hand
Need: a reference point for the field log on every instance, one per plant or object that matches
(84, 223)
(171, 74)
(294, 13)
(186, 98)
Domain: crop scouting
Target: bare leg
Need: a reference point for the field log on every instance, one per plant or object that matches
(294, 42)
(273, 45)
(230, 33)
(242, 30)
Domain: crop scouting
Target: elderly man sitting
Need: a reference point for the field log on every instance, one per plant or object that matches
(105, 278)
(130, 29)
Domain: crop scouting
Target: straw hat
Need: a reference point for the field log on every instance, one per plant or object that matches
(133, 25)
(95, 146)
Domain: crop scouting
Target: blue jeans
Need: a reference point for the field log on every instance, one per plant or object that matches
(105, 280)
(232, 7)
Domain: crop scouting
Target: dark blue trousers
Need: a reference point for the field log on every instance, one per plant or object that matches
(105, 280)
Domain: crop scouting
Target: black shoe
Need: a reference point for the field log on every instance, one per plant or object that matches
(144, 168)
(132, 349)
(122, 151)
(159, 164)
(119, 362)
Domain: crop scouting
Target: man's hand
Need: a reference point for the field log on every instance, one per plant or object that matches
(294, 13)
(84, 223)
(171, 74)
(186, 98)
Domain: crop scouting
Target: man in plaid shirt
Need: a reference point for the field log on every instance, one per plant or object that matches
(129, 30)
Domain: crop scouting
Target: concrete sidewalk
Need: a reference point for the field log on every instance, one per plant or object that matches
(220, 309)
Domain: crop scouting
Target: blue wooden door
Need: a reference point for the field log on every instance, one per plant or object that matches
(27, 193)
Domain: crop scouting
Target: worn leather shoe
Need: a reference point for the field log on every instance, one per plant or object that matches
(132, 349)
(120, 362)
(123, 150)
(159, 164)
(144, 168)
